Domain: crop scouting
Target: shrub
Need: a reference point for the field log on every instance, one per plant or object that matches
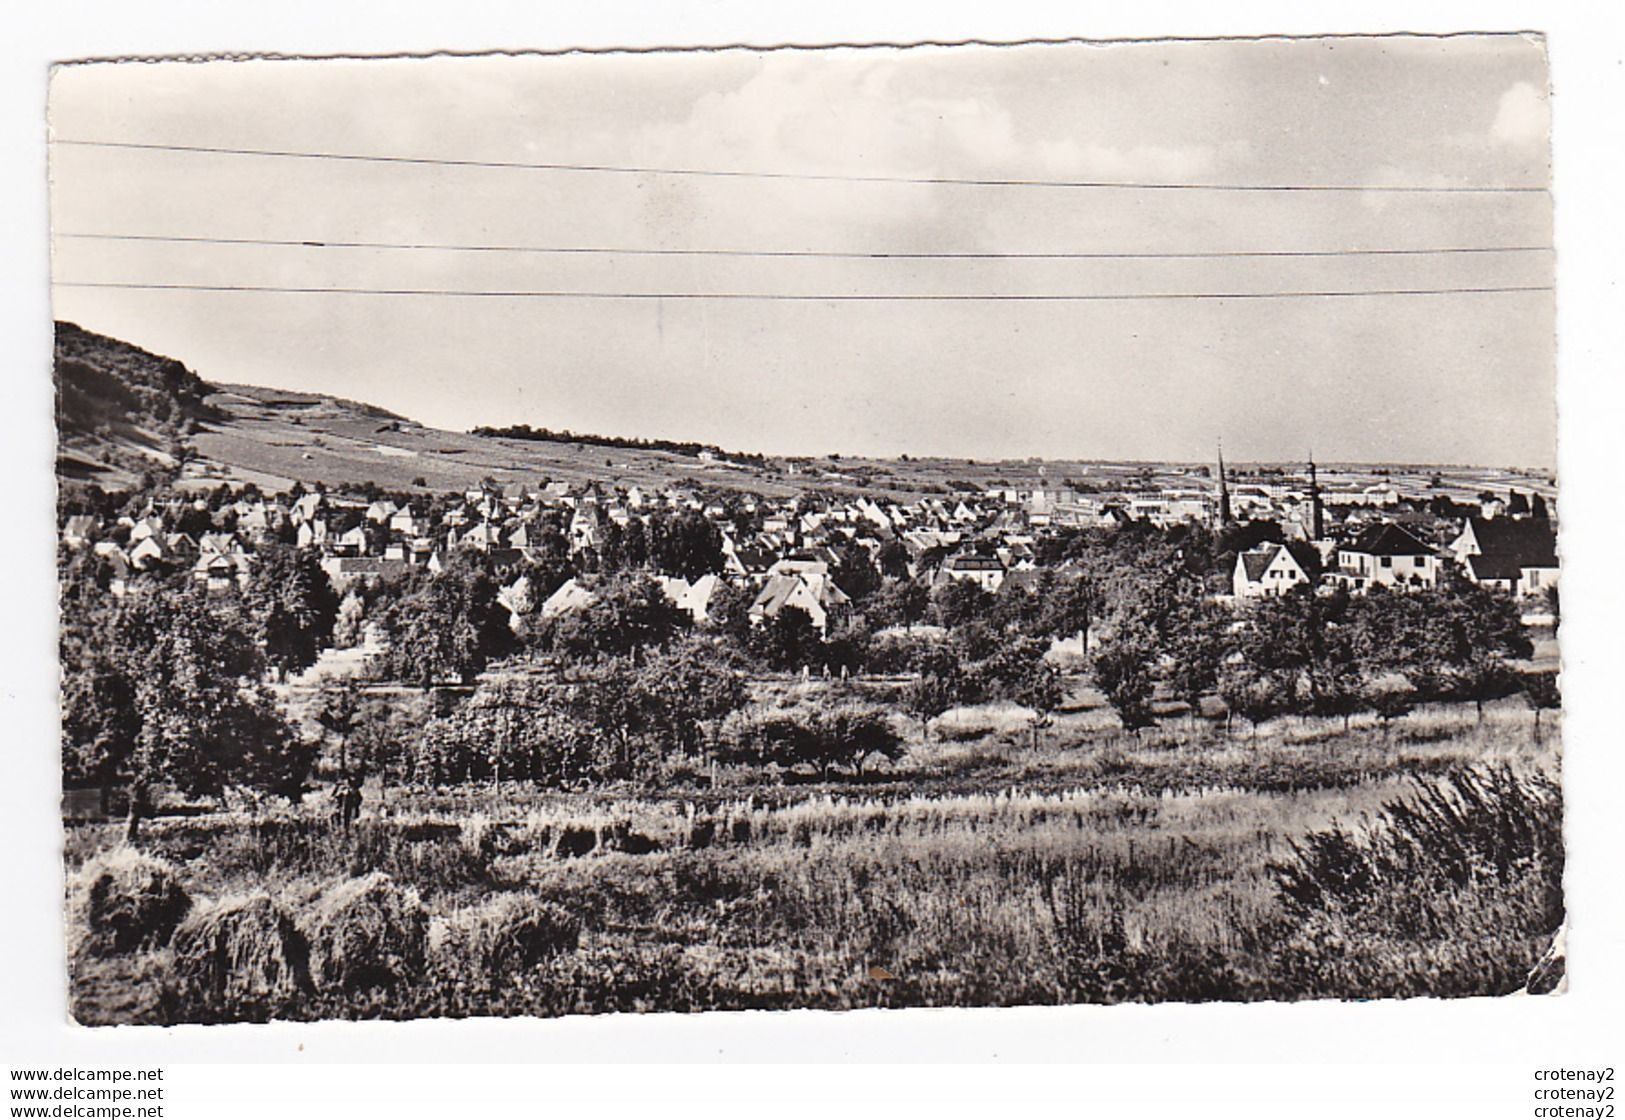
(366, 933)
(124, 901)
(1454, 889)
(505, 934)
(241, 952)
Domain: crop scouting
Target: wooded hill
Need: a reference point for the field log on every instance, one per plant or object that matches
(120, 408)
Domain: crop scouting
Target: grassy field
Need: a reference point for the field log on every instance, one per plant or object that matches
(1300, 861)
(271, 437)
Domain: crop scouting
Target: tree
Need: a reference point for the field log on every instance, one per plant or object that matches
(728, 613)
(939, 685)
(1197, 644)
(1123, 672)
(892, 560)
(1541, 693)
(687, 545)
(1253, 695)
(349, 627)
(1073, 607)
(900, 600)
(169, 690)
(789, 639)
(1392, 699)
(1041, 689)
(605, 711)
(958, 601)
(335, 711)
(1287, 635)
(855, 573)
(848, 735)
(448, 628)
(500, 723)
(626, 617)
(847, 650)
(691, 688)
(292, 605)
(381, 735)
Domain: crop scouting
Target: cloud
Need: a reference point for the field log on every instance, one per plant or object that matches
(888, 118)
(1523, 118)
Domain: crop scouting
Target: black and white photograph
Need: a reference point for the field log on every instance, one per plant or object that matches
(807, 529)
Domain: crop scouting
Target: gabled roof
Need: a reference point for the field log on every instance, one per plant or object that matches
(571, 595)
(973, 564)
(1305, 554)
(1389, 540)
(1484, 567)
(1528, 541)
(1257, 562)
(755, 559)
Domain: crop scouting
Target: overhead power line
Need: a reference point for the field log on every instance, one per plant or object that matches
(607, 250)
(804, 176)
(837, 297)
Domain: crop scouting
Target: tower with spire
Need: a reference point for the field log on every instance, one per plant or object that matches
(1225, 518)
(1317, 512)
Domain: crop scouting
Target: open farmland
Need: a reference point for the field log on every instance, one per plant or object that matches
(1297, 861)
(655, 731)
(271, 437)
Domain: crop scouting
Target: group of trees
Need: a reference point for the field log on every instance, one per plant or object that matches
(1309, 653)
(613, 718)
(678, 447)
(687, 545)
(168, 686)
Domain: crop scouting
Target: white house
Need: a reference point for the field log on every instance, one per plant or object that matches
(813, 592)
(1273, 569)
(1517, 555)
(1388, 555)
(987, 572)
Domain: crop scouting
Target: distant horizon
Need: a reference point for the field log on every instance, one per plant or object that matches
(1210, 461)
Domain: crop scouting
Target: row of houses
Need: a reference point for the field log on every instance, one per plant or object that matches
(1517, 555)
(788, 549)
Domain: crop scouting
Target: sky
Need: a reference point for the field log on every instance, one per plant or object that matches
(1463, 377)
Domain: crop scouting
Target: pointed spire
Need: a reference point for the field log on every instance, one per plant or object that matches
(1224, 490)
(1317, 512)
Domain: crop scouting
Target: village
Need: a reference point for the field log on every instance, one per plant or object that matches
(1355, 532)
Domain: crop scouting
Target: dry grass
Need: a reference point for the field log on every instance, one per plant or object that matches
(503, 935)
(1121, 869)
(123, 901)
(241, 953)
(367, 932)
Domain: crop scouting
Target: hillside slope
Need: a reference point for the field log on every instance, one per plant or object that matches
(119, 408)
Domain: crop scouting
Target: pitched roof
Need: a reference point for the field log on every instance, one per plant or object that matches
(973, 564)
(1528, 541)
(1484, 567)
(1389, 540)
(1307, 556)
(1257, 562)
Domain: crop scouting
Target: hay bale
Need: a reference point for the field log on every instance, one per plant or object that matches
(240, 950)
(702, 831)
(619, 837)
(507, 933)
(123, 901)
(575, 840)
(367, 932)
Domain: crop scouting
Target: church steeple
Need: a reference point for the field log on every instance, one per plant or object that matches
(1224, 491)
(1317, 512)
